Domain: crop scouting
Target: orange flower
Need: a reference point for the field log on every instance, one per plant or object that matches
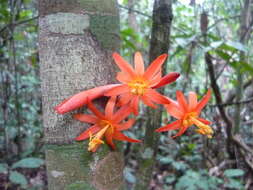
(105, 125)
(138, 84)
(80, 99)
(187, 114)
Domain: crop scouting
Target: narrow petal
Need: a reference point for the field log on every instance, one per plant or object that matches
(155, 66)
(121, 137)
(148, 102)
(80, 99)
(109, 107)
(139, 65)
(125, 99)
(167, 79)
(181, 131)
(86, 134)
(123, 65)
(122, 113)
(117, 90)
(135, 105)
(181, 100)
(156, 97)
(85, 118)
(155, 79)
(174, 125)
(174, 111)
(192, 99)
(204, 121)
(95, 110)
(109, 140)
(203, 101)
(126, 125)
(123, 77)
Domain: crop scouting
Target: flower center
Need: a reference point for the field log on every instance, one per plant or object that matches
(191, 118)
(138, 87)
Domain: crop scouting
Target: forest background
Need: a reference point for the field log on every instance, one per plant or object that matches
(210, 45)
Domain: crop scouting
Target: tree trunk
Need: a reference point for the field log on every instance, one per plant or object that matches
(76, 41)
(162, 18)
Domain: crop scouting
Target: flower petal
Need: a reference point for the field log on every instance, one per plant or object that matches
(156, 97)
(126, 125)
(86, 134)
(203, 101)
(204, 121)
(181, 131)
(155, 79)
(95, 110)
(148, 102)
(123, 77)
(123, 65)
(138, 63)
(135, 105)
(155, 66)
(192, 99)
(167, 79)
(117, 90)
(125, 99)
(122, 113)
(182, 101)
(109, 107)
(85, 118)
(121, 137)
(174, 110)
(109, 140)
(174, 125)
(80, 99)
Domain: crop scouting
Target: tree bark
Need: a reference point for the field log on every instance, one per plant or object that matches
(76, 41)
(162, 18)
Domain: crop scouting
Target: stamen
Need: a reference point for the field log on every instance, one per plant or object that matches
(202, 128)
(138, 87)
(95, 140)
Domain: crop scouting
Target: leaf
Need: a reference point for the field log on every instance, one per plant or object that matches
(3, 168)
(233, 173)
(237, 45)
(17, 178)
(28, 163)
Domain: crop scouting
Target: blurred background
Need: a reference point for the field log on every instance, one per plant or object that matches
(210, 45)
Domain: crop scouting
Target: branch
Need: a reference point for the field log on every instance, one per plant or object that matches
(134, 10)
(234, 103)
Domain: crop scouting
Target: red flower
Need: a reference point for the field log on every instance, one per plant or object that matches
(187, 114)
(106, 125)
(138, 84)
(80, 99)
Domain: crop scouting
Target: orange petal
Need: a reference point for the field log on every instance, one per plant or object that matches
(156, 97)
(126, 125)
(182, 101)
(135, 105)
(181, 131)
(95, 110)
(203, 101)
(117, 90)
(123, 65)
(174, 125)
(155, 66)
(109, 140)
(155, 79)
(80, 99)
(121, 137)
(148, 102)
(124, 99)
(110, 106)
(138, 63)
(167, 79)
(174, 111)
(192, 99)
(122, 113)
(204, 121)
(123, 77)
(86, 134)
(86, 118)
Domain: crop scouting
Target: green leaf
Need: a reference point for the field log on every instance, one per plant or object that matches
(17, 178)
(28, 163)
(233, 173)
(3, 168)
(237, 45)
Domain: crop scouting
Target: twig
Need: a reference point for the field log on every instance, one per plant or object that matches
(134, 10)
(234, 103)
